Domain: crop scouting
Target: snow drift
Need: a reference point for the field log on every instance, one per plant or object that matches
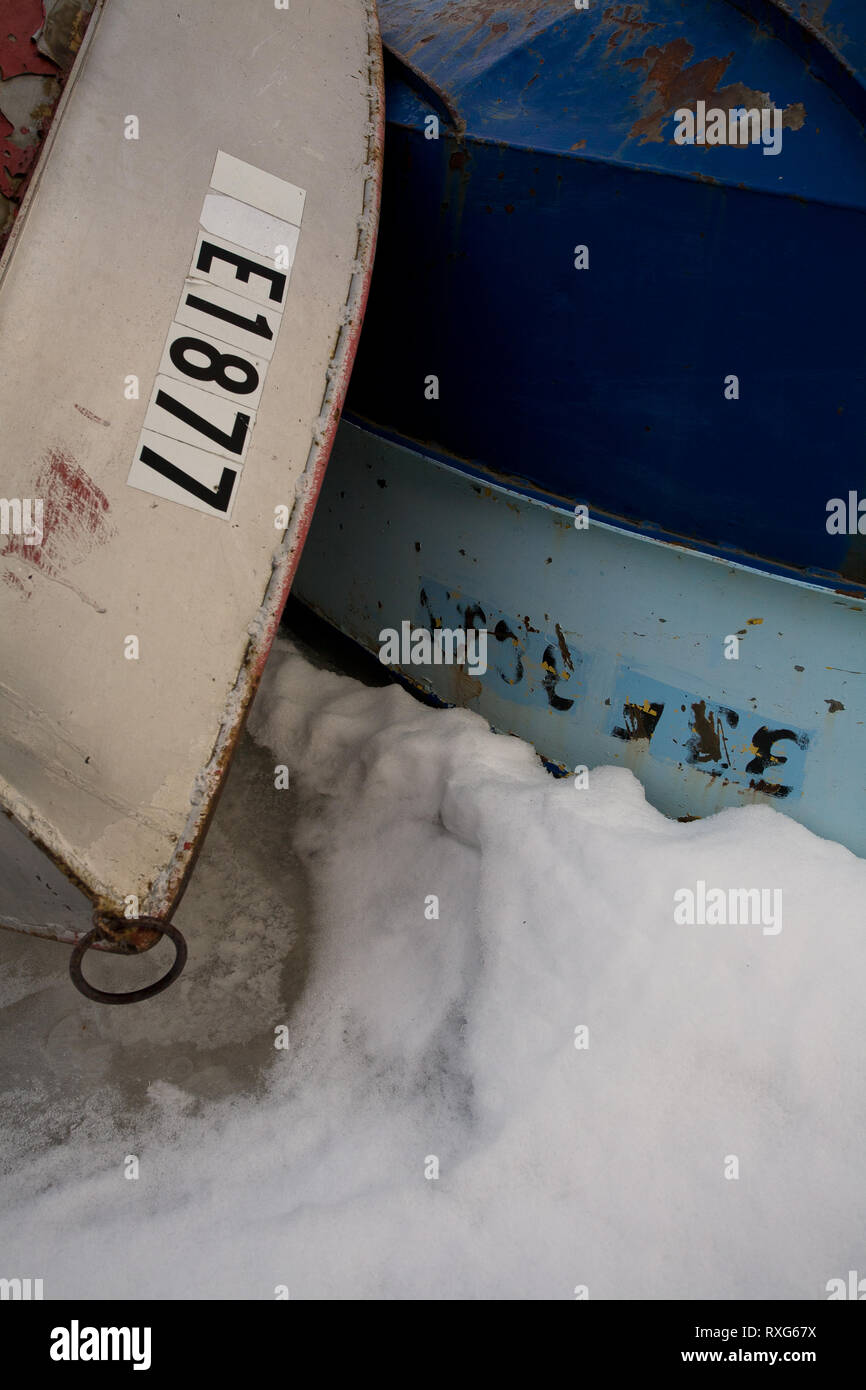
(510, 1072)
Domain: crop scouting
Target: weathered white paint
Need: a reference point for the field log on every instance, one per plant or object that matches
(112, 764)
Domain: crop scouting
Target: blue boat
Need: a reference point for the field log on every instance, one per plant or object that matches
(608, 405)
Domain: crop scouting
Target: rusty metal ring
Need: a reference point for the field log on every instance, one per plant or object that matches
(133, 996)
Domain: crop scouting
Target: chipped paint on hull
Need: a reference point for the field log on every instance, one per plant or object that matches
(604, 647)
(607, 385)
(35, 59)
(672, 81)
(606, 388)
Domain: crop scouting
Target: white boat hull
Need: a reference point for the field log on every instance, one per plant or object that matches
(204, 154)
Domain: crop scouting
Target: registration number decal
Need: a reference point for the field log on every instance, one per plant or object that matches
(202, 409)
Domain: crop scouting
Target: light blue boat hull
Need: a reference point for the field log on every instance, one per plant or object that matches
(604, 647)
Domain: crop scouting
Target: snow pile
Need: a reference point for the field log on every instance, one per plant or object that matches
(612, 1100)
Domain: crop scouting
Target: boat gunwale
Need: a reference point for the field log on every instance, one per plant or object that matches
(526, 491)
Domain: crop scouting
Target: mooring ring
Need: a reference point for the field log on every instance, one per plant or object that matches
(132, 996)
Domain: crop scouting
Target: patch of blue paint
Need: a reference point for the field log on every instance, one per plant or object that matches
(743, 747)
